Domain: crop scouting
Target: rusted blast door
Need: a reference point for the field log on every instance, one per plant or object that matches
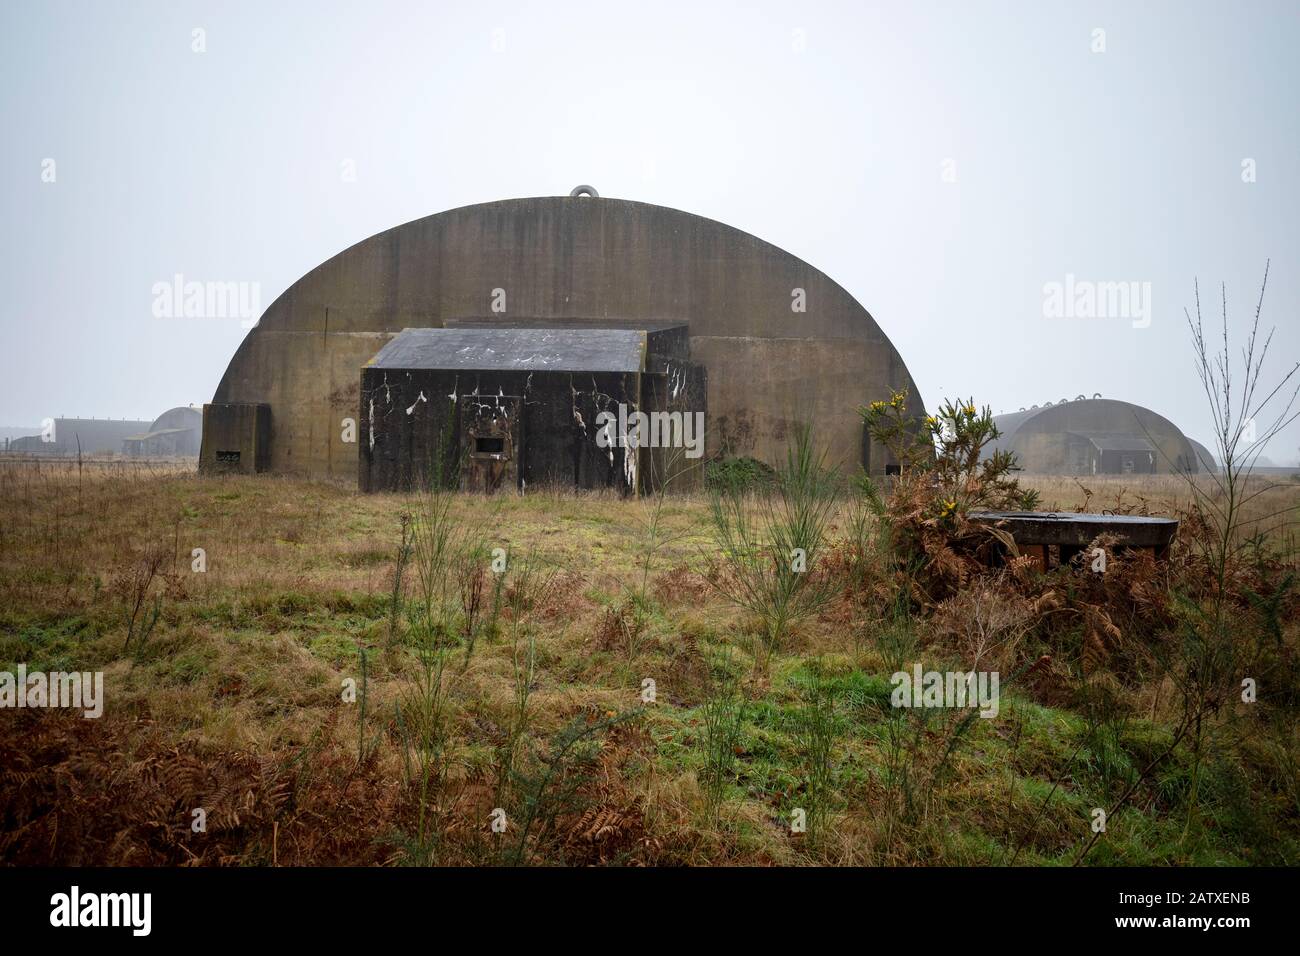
(491, 437)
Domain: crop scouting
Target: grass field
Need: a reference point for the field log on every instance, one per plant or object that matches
(526, 732)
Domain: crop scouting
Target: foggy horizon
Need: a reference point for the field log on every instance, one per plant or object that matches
(949, 165)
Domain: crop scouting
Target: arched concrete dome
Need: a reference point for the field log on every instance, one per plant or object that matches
(1204, 457)
(182, 416)
(585, 262)
(176, 432)
(1094, 436)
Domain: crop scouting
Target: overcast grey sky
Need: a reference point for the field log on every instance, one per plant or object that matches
(942, 161)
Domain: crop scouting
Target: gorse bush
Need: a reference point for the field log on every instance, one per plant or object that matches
(818, 726)
(553, 783)
(944, 474)
(423, 718)
(723, 714)
(768, 542)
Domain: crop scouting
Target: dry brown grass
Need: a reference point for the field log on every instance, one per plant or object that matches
(233, 700)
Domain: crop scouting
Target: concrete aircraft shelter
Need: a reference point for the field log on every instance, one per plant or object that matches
(1092, 436)
(777, 340)
(174, 433)
(1204, 457)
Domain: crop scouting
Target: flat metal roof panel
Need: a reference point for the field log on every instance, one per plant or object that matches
(515, 349)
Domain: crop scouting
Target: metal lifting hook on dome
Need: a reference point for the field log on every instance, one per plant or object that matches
(585, 191)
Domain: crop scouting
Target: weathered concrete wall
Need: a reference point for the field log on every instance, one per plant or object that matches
(678, 387)
(236, 438)
(1039, 438)
(587, 260)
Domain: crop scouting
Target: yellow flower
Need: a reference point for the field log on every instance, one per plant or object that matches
(970, 410)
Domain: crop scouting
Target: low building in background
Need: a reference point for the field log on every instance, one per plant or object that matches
(86, 436)
(176, 433)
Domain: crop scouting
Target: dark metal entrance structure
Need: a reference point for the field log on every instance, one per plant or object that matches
(493, 408)
(1036, 533)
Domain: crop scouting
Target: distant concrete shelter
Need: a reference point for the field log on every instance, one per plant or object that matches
(767, 339)
(174, 434)
(1204, 457)
(1095, 436)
